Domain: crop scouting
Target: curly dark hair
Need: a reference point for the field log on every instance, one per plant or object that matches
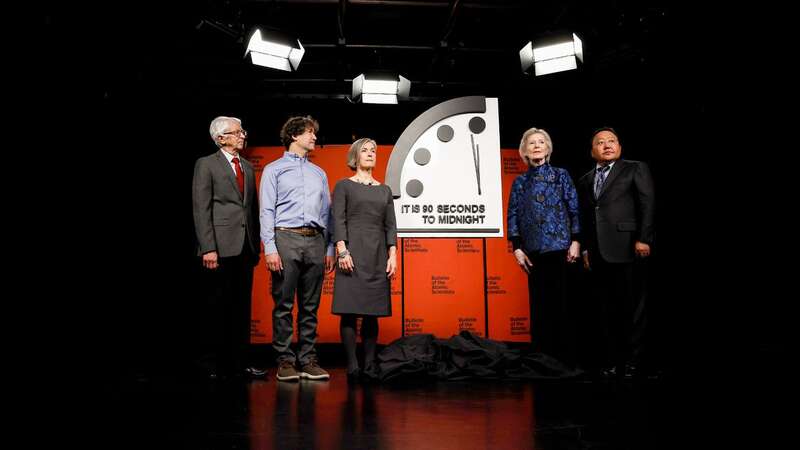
(296, 126)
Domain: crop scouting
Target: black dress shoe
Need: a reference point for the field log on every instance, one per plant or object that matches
(255, 372)
(609, 372)
(354, 376)
(632, 371)
(653, 374)
(370, 374)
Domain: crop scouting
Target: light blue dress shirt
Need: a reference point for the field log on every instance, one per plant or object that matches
(293, 193)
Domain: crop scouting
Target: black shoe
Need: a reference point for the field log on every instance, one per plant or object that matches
(354, 376)
(653, 374)
(609, 372)
(255, 372)
(647, 372)
(370, 374)
(632, 371)
(204, 371)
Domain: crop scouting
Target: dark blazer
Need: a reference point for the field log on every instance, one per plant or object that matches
(623, 213)
(224, 220)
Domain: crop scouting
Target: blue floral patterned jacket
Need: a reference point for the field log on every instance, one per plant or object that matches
(543, 210)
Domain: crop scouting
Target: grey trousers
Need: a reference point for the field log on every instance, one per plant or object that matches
(303, 259)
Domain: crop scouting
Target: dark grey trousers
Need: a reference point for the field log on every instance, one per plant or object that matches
(303, 259)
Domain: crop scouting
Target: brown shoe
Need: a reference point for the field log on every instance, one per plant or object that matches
(287, 372)
(313, 371)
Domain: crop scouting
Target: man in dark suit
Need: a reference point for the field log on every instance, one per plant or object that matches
(227, 229)
(617, 204)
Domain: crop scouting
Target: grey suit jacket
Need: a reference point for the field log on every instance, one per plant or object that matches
(224, 220)
(623, 213)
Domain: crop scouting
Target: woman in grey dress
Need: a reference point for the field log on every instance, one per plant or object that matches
(365, 233)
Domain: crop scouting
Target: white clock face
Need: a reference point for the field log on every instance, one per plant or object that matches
(449, 182)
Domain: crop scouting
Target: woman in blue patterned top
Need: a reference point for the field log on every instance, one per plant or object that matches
(543, 229)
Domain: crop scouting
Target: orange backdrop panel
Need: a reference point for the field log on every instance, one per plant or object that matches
(443, 281)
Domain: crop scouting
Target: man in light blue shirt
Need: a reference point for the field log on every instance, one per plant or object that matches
(295, 209)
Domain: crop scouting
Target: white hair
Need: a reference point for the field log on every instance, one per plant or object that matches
(218, 126)
(548, 142)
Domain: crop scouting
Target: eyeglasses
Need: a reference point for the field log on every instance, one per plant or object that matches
(239, 132)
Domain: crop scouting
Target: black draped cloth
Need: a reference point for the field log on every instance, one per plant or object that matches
(463, 356)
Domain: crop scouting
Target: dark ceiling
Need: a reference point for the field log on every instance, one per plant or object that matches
(193, 52)
(187, 59)
(446, 48)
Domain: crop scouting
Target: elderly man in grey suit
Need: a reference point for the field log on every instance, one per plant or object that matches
(227, 229)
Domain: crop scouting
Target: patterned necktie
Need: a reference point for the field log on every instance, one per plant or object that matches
(599, 179)
(239, 175)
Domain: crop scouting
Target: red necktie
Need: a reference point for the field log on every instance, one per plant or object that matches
(239, 175)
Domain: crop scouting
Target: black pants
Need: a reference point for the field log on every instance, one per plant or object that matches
(303, 259)
(228, 313)
(619, 289)
(552, 324)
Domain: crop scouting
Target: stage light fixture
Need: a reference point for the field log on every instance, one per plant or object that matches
(275, 50)
(552, 54)
(380, 88)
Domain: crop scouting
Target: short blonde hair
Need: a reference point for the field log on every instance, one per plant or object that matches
(547, 141)
(352, 153)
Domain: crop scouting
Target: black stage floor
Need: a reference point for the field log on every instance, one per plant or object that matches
(169, 412)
